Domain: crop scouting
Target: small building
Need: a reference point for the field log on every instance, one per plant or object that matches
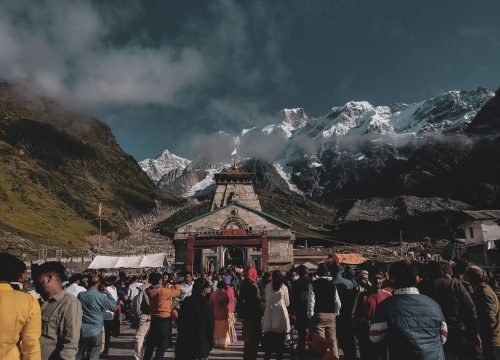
(235, 232)
(482, 236)
(308, 256)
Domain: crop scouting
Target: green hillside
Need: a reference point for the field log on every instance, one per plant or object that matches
(55, 168)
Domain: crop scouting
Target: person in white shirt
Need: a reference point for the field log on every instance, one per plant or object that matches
(133, 288)
(186, 286)
(74, 287)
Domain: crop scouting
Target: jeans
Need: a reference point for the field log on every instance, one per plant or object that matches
(108, 328)
(89, 348)
(158, 338)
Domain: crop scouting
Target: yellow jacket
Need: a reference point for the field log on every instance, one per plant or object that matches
(20, 325)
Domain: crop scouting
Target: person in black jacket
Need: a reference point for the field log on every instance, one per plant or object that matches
(300, 292)
(195, 325)
(458, 309)
(250, 312)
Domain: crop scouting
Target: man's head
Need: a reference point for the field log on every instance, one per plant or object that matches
(94, 281)
(322, 270)
(76, 279)
(133, 279)
(49, 278)
(302, 270)
(377, 277)
(11, 268)
(155, 278)
(475, 275)
(188, 278)
(404, 274)
(144, 279)
(363, 278)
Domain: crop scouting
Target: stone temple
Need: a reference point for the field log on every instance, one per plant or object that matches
(235, 232)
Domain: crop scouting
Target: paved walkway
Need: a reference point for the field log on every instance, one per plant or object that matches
(122, 347)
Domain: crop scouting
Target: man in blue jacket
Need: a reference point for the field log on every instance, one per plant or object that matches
(411, 323)
(94, 303)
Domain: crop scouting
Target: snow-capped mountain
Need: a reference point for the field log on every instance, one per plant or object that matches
(451, 111)
(163, 165)
(352, 151)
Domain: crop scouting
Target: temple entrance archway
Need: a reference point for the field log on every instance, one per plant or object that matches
(234, 256)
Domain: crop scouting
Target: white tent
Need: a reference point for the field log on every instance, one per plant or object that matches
(116, 262)
(310, 265)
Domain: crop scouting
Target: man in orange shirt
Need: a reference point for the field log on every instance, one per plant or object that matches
(20, 319)
(160, 307)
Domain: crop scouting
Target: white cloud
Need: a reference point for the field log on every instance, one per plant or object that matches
(60, 49)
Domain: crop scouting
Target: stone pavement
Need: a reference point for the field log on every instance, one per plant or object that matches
(122, 347)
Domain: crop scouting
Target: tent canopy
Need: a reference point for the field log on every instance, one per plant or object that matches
(349, 259)
(310, 265)
(117, 262)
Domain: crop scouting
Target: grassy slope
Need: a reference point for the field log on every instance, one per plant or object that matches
(55, 168)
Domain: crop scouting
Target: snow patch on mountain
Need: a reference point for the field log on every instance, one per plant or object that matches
(163, 164)
(287, 177)
(203, 184)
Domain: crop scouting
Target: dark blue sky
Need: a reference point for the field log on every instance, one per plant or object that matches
(161, 72)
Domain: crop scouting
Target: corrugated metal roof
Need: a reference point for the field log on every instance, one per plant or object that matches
(483, 214)
(258, 212)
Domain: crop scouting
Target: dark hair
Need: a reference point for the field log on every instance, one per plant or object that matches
(403, 273)
(144, 277)
(302, 270)
(53, 267)
(199, 285)
(277, 280)
(154, 278)
(221, 284)
(94, 280)
(188, 273)
(322, 270)
(75, 278)
(11, 268)
(133, 279)
(334, 268)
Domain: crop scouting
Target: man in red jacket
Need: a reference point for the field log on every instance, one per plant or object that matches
(160, 300)
(366, 304)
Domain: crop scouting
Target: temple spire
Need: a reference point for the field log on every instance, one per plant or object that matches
(235, 157)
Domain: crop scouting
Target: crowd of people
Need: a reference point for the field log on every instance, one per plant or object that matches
(409, 310)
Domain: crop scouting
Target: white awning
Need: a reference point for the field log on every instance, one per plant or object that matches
(117, 262)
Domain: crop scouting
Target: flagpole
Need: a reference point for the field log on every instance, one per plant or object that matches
(100, 230)
(99, 213)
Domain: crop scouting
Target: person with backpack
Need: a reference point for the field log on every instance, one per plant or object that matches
(140, 317)
(488, 312)
(458, 309)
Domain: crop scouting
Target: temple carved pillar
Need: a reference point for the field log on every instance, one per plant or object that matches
(190, 253)
(263, 238)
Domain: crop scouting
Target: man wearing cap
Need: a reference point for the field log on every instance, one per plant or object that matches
(488, 312)
(323, 308)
